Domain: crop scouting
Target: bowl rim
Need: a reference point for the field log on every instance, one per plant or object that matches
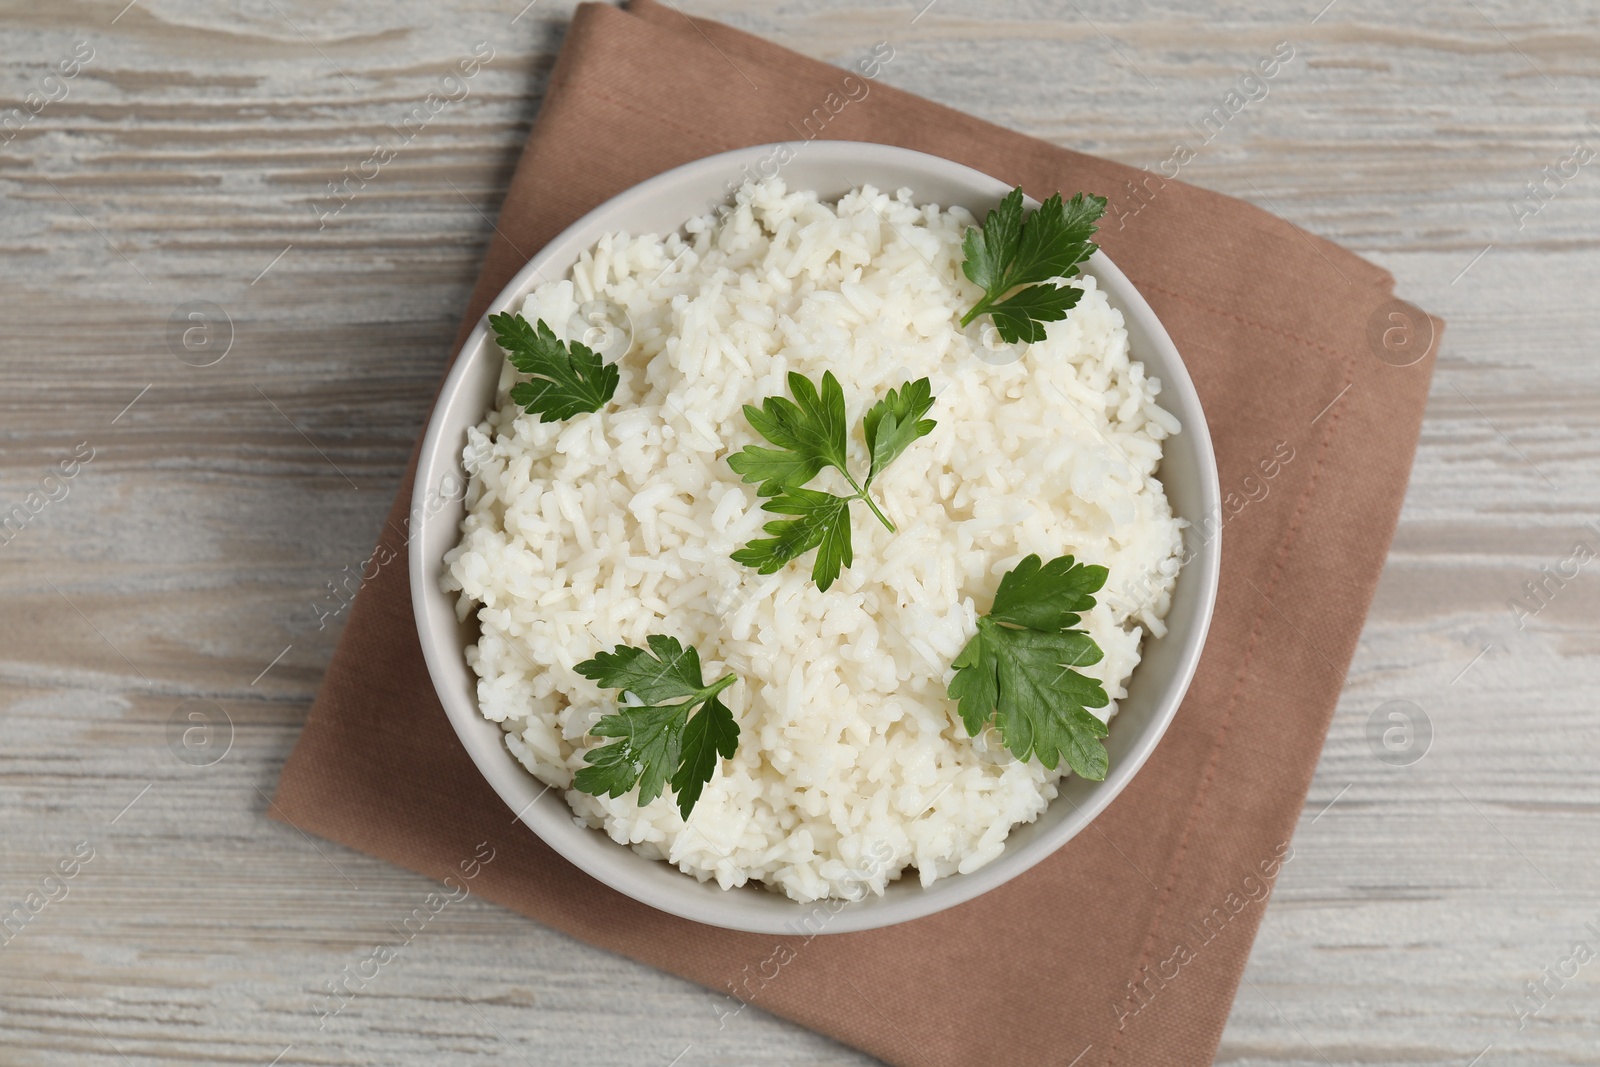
(592, 850)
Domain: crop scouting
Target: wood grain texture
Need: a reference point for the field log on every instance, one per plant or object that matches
(187, 160)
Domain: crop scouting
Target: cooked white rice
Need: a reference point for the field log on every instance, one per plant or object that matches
(852, 764)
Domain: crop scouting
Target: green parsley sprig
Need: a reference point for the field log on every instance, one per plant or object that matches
(1017, 670)
(1010, 251)
(673, 737)
(568, 379)
(810, 433)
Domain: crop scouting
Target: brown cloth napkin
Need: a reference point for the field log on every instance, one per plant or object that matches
(1126, 946)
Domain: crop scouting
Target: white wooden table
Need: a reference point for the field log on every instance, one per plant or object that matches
(181, 562)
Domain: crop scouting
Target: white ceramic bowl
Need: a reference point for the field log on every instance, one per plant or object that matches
(661, 205)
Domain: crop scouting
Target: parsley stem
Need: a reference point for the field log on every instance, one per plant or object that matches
(977, 309)
(881, 516)
(717, 686)
(861, 494)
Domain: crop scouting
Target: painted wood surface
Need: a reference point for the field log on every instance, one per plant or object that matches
(180, 566)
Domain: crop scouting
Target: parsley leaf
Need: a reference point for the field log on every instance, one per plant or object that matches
(1017, 669)
(1009, 251)
(1019, 318)
(894, 422)
(567, 379)
(658, 742)
(810, 433)
(1046, 596)
(822, 522)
